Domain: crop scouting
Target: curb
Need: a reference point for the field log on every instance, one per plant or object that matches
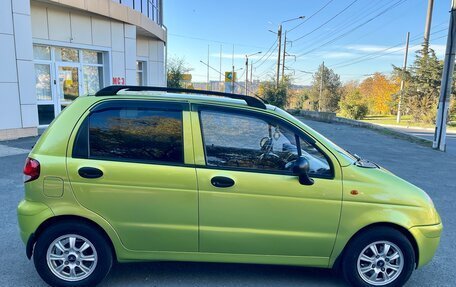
(355, 123)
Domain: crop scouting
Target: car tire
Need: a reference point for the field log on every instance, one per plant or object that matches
(365, 264)
(72, 254)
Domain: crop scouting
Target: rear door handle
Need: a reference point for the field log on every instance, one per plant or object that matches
(222, 181)
(90, 172)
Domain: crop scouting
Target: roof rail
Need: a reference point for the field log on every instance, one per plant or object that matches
(113, 90)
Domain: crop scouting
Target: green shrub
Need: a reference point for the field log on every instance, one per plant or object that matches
(352, 106)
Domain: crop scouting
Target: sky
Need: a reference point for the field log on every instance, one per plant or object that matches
(355, 38)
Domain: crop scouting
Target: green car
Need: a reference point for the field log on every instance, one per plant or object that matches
(159, 174)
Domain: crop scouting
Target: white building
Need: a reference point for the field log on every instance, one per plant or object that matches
(53, 51)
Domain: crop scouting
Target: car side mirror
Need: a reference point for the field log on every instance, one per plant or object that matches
(301, 168)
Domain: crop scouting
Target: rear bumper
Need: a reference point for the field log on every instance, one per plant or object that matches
(428, 239)
(30, 215)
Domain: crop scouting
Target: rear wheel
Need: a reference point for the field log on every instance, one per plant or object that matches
(72, 254)
(379, 257)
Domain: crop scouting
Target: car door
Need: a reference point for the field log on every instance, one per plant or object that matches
(249, 202)
(132, 163)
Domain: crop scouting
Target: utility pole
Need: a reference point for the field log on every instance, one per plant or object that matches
(251, 74)
(207, 84)
(321, 85)
(427, 28)
(232, 80)
(284, 55)
(246, 73)
(232, 75)
(247, 70)
(447, 80)
(404, 68)
(279, 42)
(220, 75)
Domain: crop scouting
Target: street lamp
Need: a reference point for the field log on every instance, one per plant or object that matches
(247, 70)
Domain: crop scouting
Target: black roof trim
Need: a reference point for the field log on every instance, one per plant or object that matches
(113, 90)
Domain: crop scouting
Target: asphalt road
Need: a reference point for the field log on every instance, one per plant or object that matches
(431, 170)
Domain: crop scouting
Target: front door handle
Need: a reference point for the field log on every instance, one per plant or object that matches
(90, 172)
(222, 181)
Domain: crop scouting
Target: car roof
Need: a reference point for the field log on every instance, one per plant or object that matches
(191, 98)
(252, 101)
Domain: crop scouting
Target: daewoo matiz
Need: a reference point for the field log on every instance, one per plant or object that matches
(153, 174)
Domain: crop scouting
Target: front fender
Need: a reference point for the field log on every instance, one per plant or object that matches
(357, 215)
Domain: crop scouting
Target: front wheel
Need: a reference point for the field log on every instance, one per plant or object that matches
(72, 254)
(379, 257)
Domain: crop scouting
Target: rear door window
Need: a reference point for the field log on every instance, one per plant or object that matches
(133, 134)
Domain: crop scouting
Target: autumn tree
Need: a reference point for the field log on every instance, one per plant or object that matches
(328, 101)
(379, 92)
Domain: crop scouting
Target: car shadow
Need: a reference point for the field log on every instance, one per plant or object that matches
(218, 274)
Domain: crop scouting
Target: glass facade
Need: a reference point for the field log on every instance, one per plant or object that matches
(62, 74)
(151, 8)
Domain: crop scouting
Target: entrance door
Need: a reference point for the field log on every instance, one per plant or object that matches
(68, 84)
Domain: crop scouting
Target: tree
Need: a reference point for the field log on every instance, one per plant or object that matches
(422, 91)
(176, 70)
(275, 95)
(331, 90)
(379, 92)
(352, 104)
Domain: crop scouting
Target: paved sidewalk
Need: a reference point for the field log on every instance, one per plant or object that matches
(429, 169)
(429, 135)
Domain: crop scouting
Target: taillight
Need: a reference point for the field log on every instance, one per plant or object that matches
(31, 169)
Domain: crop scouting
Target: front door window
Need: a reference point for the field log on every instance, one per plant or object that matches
(246, 142)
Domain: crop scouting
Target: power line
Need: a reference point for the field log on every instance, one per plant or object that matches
(214, 41)
(349, 20)
(243, 87)
(355, 28)
(347, 25)
(324, 23)
(380, 53)
(264, 55)
(310, 17)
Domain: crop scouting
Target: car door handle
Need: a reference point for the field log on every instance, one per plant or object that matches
(222, 181)
(90, 172)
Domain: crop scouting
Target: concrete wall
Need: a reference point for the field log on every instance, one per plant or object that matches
(18, 111)
(153, 52)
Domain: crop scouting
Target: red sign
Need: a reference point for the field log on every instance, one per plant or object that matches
(118, 81)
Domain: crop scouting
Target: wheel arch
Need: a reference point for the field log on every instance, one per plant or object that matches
(67, 218)
(401, 229)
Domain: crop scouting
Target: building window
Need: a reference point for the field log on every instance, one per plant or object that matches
(42, 53)
(66, 55)
(62, 74)
(45, 114)
(150, 8)
(43, 82)
(141, 73)
(92, 71)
